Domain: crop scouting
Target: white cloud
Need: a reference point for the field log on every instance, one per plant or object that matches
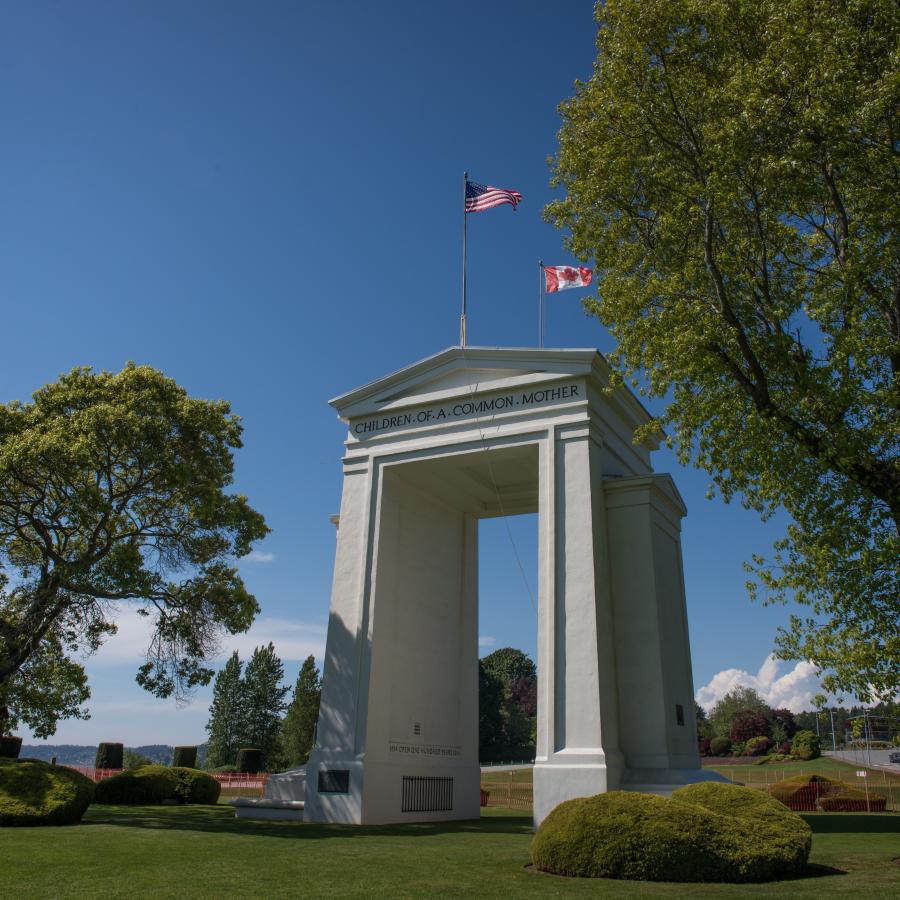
(293, 640)
(486, 641)
(794, 690)
(259, 556)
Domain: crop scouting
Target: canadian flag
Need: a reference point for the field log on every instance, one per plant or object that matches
(558, 278)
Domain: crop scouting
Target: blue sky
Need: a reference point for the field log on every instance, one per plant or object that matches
(264, 201)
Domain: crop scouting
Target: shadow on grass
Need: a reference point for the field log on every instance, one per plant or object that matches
(220, 819)
(856, 823)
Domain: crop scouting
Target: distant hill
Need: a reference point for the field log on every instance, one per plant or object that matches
(85, 755)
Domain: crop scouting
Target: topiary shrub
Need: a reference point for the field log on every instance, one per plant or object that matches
(708, 832)
(249, 759)
(10, 747)
(194, 786)
(771, 841)
(33, 792)
(850, 799)
(720, 746)
(186, 757)
(225, 769)
(757, 746)
(144, 785)
(805, 745)
(110, 756)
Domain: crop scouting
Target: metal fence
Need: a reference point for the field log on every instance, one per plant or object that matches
(507, 792)
(234, 784)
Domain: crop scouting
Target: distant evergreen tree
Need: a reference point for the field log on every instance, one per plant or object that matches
(263, 698)
(299, 726)
(226, 715)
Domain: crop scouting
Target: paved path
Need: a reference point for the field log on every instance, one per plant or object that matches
(880, 758)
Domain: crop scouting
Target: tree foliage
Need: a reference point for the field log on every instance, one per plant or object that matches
(299, 726)
(739, 698)
(749, 723)
(263, 698)
(733, 168)
(113, 490)
(226, 715)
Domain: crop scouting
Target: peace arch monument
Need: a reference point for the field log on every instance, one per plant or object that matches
(469, 434)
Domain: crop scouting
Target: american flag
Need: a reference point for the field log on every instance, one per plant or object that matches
(482, 196)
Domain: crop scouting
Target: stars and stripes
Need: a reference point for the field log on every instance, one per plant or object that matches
(558, 278)
(483, 196)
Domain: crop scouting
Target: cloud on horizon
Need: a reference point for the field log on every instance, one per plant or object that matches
(794, 690)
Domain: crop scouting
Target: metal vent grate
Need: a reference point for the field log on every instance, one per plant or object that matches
(422, 793)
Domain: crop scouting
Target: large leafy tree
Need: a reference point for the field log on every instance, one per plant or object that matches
(737, 700)
(299, 726)
(263, 705)
(226, 716)
(734, 170)
(113, 490)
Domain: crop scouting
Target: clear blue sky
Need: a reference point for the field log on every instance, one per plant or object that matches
(264, 201)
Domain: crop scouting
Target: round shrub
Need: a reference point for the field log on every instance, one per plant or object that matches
(10, 747)
(225, 769)
(771, 842)
(186, 757)
(805, 745)
(110, 756)
(33, 792)
(144, 785)
(249, 759)
(720, 746)
(707, 832)
(195, 786)
(757, 746)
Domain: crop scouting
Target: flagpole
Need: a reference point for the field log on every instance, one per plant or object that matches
(541, 303)
(462, 317)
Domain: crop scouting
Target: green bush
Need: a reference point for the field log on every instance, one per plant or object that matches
(706, 832)
(249, 759)
(33, 792)
(720, 746)
(10, 747)
(154, 784)
(225, 769)
(110, 756)
(850, 799)
(772, 842)
(805, 745)
(144, 785)
(758, 746)
(186, 757)
(195, 786)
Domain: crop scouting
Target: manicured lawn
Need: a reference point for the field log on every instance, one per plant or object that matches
(832, 768)
(204, 852)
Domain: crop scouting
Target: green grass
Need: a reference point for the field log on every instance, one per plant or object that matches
(202, 851)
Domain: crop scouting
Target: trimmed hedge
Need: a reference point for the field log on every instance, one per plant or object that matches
(110, 756)
(154, 784)
(195, 786)
(249, 759)
(10, 746)
(186, 757)
(33, 792)
(720, 746)
(143, 785)
(705, 832)
(808, 793)
(850, 799)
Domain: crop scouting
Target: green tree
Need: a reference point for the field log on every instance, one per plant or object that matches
(738, 699)
(733, 169)
(490, 712)
(263, 698)
(226, 716)
(112, 490)
(299, 726)
(510, 665)
(131, 759)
